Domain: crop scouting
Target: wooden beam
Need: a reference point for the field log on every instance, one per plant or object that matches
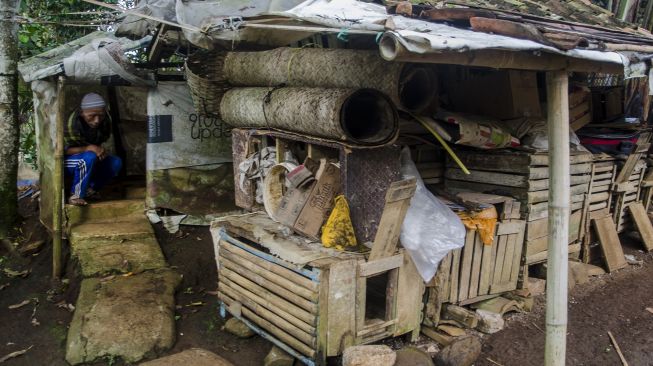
(156, 45)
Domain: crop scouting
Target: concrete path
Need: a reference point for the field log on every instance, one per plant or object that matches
(126, 306)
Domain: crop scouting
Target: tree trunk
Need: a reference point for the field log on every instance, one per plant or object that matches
(8, 115)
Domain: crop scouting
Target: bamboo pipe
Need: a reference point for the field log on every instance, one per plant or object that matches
(235, 281)
(268, 285)
(274, 278)
(392, 50)
(266, 314)
(273, 329)
(271, 267)
(57, 181)
(557, 83)
(246, 298)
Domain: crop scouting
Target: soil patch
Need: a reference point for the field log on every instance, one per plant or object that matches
(614, 302)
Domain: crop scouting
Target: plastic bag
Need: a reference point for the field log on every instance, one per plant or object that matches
(338, 232)
(430, 229)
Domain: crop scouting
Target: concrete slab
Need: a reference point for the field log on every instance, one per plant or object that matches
(102, 257)
(128, 317)
(193, 356)
(106, 211)
(116, 230)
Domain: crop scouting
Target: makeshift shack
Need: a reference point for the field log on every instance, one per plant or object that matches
(400, 165)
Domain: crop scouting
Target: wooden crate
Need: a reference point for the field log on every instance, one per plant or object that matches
(524, 176)
(477, 272)
(311, 301)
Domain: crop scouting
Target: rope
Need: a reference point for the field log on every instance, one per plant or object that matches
(266, 100)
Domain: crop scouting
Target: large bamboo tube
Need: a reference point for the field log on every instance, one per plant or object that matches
(361, 116)
(411, 87)
(556, 281)
(57, 181)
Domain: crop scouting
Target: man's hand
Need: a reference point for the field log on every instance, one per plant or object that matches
(98, 150)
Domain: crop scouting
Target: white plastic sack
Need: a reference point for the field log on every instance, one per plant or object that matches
(430, 229)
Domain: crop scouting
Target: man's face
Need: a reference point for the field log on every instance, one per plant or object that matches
(93, 117)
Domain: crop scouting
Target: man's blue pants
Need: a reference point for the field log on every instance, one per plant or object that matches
(90, 172)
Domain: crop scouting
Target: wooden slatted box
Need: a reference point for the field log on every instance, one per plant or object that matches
(313, 301)
(524, 176)
(316, 310)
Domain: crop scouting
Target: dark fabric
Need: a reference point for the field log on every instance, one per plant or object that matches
(78, 133)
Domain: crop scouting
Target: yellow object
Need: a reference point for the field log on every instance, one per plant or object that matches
(484, 221)
(444, 144)
(338, 231)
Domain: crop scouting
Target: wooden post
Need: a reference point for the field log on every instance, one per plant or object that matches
(556, 292)
(57, 181)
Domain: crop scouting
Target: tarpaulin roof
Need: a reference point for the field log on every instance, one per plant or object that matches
(551, 26)
(51, 62)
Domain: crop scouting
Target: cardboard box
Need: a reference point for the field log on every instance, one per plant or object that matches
(319, 202)
(500, 94)
(306, 208)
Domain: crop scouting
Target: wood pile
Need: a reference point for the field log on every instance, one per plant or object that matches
(556, 26)
(524, 176)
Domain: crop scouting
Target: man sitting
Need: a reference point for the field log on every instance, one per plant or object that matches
(86, 160)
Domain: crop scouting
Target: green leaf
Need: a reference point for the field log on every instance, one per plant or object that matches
(23, 38)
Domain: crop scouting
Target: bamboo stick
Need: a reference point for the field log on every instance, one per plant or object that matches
(618, 349)
(269, 298)
(283, 336)
(269, 316)
(230, 288)
(556, 304)
(274, 288)
(270, 276)
(57, 181)
(274, 268)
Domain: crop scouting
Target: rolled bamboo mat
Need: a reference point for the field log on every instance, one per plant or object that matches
(411, 87)
(360, 116)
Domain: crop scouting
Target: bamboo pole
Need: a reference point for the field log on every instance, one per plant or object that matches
(392, 50)
(57, 181)
(556, 294)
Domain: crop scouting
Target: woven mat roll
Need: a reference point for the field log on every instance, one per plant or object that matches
(411, 87)
(361, 116)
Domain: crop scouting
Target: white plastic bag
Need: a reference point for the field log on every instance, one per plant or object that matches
(430, 229)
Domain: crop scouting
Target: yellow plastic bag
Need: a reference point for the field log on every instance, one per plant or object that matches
(484, 221)
(338, 231)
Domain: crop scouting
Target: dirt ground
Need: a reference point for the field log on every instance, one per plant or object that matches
(198, 321)
(614, 302)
